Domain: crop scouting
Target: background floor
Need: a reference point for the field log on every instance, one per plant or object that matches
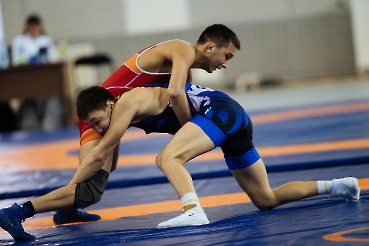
(313, 131)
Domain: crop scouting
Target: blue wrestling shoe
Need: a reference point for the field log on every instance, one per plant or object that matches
(11, 219)
(72, 215)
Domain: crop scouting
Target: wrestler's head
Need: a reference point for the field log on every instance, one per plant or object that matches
(94, 107)
(217, 45)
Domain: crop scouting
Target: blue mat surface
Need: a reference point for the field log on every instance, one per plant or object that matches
(312, 130)
(304, 222)
(318, 220)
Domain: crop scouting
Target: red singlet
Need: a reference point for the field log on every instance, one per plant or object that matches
(126, 77)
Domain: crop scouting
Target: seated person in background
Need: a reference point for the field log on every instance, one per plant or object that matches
(217, 120)
(33, 45)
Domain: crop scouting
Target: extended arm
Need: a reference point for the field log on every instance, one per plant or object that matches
(182, 56)
(110, 163)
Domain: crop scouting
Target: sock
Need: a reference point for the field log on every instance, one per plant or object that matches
(325, 187)
(190, 198)
(29, 209)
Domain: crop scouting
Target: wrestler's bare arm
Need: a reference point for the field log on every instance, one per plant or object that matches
(182, 56)
(110, 163)
(175, 57)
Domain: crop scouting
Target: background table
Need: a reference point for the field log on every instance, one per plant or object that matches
(44, 80)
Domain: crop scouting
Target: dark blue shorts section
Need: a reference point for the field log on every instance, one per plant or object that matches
(242, 161)
(210, 129)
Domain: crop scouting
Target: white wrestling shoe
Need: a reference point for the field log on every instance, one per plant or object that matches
(347, 188)
(191, 216)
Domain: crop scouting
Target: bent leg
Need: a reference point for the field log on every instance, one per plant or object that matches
(254, 181)
(61, 198)
(88, 193)
(189, 142)
(67, 199)
(70, 215)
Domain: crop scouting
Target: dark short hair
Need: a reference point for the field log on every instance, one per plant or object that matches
(92, 99)
(220, 35)
(33, 20)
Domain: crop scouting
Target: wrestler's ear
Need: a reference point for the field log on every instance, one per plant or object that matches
(110, 104)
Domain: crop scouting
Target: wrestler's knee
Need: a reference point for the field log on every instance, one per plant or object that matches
(164, 158)
(264, 206)
(161, 159)
(91, 191)
(169, 158)
(265, 202)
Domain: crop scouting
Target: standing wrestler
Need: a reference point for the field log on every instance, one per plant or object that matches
(168, 61)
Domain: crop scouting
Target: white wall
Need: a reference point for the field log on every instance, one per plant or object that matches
(86, 19)
(204, 12)
(293, 38)
(2, 34)
(360, 28)
(66, 19)
(146, 17)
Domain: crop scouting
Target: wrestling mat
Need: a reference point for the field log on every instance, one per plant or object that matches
(306, 143)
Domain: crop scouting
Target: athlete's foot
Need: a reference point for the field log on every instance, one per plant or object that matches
(347, 188)
(191, 216)
(11, 219)
(73, 215)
